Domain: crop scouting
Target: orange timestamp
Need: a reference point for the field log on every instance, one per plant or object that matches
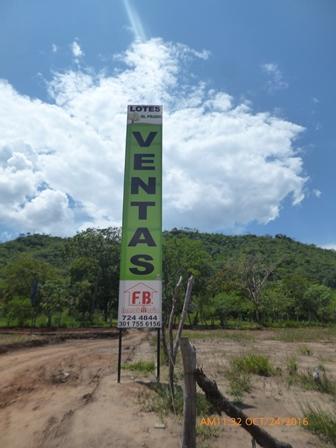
(257, 421)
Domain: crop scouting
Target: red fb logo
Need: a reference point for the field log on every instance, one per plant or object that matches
(141, 298)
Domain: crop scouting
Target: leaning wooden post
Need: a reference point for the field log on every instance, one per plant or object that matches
(189, 394)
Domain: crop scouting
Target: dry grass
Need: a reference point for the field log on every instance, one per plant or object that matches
(306, 334)
(8, 339)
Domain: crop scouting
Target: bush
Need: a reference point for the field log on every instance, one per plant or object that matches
(140, 366)
(19, 311)
(255, 364)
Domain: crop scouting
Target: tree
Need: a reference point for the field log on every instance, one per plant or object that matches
(53, 298)
(230, 305)
(254, 275)
(19, 309)
(83, 277)
(277, 303)
(294, 287)
(315, 301)
(24, 276)
(81, 300)
(22, 272)
(95, 259)
(184, 257)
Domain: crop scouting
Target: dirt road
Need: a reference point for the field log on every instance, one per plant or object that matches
(66, 395)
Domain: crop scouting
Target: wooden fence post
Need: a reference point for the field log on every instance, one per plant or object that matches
(189, 394)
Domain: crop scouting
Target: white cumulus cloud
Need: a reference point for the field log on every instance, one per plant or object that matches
(62, 162)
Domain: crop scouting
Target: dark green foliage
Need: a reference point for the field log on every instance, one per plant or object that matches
(271, 280)
(94, 272)
(19, 311)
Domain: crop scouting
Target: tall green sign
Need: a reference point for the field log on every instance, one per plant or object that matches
(140, 288)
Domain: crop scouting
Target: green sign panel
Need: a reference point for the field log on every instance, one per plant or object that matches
(140, 290)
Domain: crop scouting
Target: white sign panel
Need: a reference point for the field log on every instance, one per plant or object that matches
(140, 304)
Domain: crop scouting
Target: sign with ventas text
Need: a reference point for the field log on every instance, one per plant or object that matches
(140, 287)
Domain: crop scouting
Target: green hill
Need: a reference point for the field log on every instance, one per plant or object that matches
(77, 277)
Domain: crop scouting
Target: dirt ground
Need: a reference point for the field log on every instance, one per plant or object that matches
(270, 396)
(66, 395)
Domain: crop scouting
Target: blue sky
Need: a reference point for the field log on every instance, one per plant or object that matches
(262, 74)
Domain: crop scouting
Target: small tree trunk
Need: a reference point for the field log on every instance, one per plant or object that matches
(174, 345)
(171, 377)
(164, 344)
(257, 314)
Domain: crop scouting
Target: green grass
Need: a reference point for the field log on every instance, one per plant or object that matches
(239, 374)
(255, 364)
(321, 423)
(205, 434)
(140, 366)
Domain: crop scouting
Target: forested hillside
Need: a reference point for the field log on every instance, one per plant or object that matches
(55, 281)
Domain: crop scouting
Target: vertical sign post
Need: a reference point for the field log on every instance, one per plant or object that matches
(140, 287)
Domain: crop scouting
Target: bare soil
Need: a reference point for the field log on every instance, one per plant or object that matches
(66, 395)
(270, 396)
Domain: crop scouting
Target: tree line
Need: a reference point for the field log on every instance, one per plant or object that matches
(53, 281)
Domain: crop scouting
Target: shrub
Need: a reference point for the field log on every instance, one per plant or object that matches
(140, 366)
(254, 364)
(19, 310)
